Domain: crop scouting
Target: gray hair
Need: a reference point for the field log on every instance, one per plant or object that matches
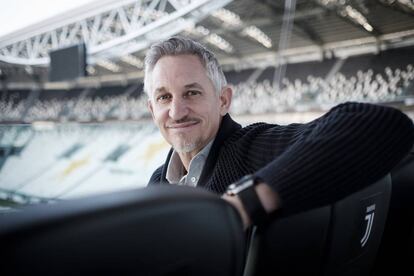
(175, 46)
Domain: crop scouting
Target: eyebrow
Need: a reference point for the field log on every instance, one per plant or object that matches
(194, 85)
(160, 90)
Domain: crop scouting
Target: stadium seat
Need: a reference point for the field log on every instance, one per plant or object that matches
(397, 248)
(153, 231)
(342, 239)
(161, 231)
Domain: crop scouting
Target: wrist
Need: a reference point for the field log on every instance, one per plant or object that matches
(245, 191)
(268, 197)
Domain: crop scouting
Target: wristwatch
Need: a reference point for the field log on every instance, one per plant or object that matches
(244, 183)
(245, 189)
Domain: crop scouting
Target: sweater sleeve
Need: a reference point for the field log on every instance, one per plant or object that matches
(350, 147)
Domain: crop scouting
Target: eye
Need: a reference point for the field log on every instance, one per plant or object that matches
(163, 97)
(193, 93)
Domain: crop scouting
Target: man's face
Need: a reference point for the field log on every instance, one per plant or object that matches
(184, 104)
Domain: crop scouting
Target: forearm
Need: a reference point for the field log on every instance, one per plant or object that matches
(343, 152)
(321, 162)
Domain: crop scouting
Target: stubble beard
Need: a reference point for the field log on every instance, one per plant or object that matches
(186, 145)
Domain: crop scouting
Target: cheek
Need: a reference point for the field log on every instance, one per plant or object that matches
(158, 116)
(162, 118)
(213, 117)
(159, 110)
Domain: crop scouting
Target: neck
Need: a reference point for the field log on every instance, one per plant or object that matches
(186, 158)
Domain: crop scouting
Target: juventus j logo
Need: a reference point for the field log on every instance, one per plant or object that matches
(369, 217)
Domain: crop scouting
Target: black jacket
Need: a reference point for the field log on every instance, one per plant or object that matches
(313, 164)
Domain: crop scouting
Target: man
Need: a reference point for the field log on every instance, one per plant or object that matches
(290, 168)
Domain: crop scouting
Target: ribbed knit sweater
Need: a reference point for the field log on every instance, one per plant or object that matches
(309, 165)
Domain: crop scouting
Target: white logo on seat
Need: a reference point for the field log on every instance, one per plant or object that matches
(370, 219)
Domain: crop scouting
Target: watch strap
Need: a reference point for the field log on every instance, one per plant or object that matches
(253, 206)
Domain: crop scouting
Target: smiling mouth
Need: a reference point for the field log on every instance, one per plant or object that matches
(182, 125)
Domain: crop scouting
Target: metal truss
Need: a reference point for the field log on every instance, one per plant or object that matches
(110, 29)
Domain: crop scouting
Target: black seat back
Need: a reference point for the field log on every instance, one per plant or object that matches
(357, 226)
(396, 253)
(152, 231)
(341, 239)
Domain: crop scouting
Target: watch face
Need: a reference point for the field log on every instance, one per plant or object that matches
(242, 184)
(230, 190)
(232, 186)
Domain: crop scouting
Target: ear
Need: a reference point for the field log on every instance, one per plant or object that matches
(225, 99)
(151, 108)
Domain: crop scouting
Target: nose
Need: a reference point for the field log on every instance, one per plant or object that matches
(178, 109)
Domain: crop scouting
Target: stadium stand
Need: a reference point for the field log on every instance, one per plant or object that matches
(394, 59)
(317, 92)
(384, 78)
(76, 160)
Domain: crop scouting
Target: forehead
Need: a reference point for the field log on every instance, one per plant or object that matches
(178, 68)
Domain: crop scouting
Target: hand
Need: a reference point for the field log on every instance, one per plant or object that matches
(268, 198)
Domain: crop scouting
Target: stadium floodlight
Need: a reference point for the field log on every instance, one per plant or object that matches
(110, 29)
(211, 38)
(347, 11)
(133, 60)
(358, 18)
(228, 17)
(220, 43)
(200, 30)
(258, 35)
(109, 65)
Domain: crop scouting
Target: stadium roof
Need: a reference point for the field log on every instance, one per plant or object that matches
(243, 33)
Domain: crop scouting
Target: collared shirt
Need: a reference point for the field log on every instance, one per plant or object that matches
(176, 171)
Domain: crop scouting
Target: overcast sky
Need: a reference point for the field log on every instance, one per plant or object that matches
(17, 14)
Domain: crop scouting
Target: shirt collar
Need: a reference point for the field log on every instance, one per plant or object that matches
(176, 172)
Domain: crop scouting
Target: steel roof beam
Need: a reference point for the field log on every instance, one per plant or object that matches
(110, 29)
